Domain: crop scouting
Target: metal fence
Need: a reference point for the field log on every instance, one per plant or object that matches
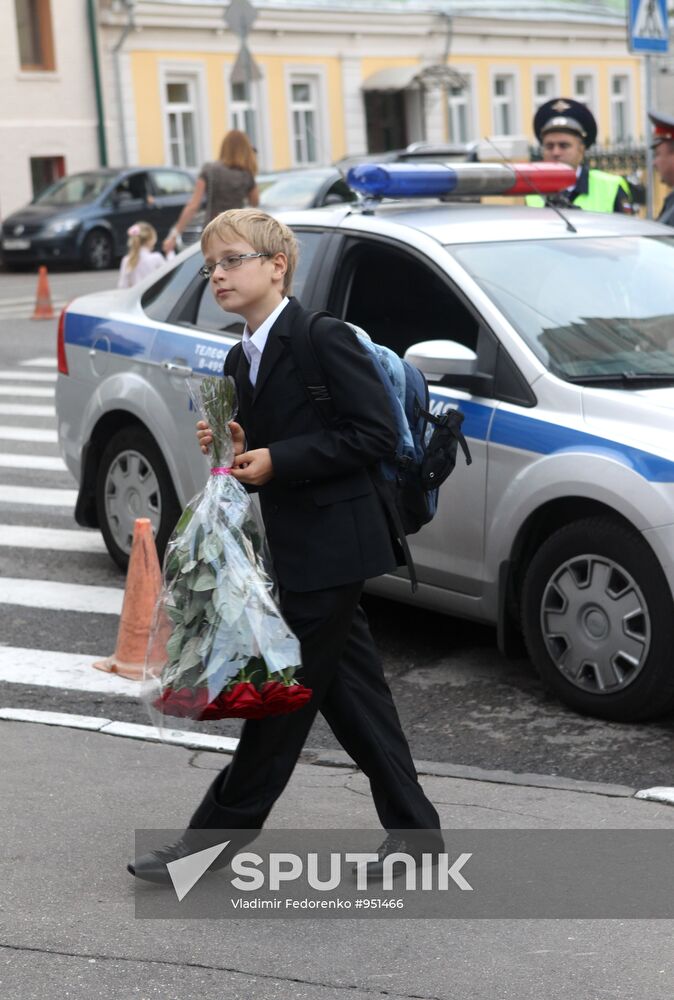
(617, 158)
(626, 158)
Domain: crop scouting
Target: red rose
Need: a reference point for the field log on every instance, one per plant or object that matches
(243, 701)
(279, 698)
(184, 703)
(178, 703)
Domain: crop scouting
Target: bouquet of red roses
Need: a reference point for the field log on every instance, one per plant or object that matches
(219, 646)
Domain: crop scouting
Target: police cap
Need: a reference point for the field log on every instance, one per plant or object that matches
(663, 128)
(563, 114)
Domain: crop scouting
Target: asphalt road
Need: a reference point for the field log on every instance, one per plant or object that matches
(459, 700)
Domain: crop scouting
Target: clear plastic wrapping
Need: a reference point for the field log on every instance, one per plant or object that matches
(219, 646)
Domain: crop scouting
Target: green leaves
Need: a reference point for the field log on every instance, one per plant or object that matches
(217, 593)
(215, 399)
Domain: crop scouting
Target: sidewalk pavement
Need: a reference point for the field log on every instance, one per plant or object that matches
(71, 800)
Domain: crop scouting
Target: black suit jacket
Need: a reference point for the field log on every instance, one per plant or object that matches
(325, 523)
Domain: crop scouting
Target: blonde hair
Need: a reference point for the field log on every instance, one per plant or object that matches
(263, 232)
(236, 151)
(140, 234)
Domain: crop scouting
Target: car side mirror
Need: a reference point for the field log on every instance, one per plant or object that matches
(450, 363)
(437, 358)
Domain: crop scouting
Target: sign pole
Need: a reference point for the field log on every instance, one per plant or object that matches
(649, 151)
(647, 33)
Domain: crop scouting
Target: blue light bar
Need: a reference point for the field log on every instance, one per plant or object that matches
(401, 180)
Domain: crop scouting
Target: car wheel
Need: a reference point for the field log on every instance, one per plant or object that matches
(97, 251)
(598, 621)
(133, 481)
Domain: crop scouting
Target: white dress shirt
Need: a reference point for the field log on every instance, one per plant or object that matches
(254, 343)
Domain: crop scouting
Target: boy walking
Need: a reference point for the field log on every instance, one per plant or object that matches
(327, 533)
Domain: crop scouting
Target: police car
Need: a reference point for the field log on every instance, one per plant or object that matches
(553, 331)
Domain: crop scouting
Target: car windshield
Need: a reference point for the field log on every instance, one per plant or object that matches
(589, 308)
(75, 190)
(292, 190)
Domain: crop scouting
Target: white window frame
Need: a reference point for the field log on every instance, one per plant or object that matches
(195, 75)
(553, 75)
(592, 76)
(470, 103)
(315, 76)
(257, 103)
(512, 72)
(628, 102)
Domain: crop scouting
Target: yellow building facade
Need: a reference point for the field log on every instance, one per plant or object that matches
(337, 79)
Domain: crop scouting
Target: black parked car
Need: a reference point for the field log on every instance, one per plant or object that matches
(84, 217)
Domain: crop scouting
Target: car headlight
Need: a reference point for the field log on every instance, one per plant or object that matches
(61, 226)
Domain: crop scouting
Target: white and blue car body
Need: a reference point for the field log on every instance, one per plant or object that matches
(555, 337)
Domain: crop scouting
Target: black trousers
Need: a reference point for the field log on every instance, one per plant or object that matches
(341, 665)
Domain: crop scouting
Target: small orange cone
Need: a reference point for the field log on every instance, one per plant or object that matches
(43, 305)
(143, 583)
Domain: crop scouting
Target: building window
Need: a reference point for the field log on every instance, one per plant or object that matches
(44, 170)
(460, 113)
(544, 89)
(243, 110)
(36, 38)
(304, 115)
(181, 122)
(620, 109)
(504, 104)
(583, 89)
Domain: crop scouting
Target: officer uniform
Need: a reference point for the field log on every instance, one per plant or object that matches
(663, 131)
(595, 190)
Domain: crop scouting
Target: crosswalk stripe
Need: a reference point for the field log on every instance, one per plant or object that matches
(22, 536)
(45, 463)
(53, 596)
(15, 375)
(44, 362)
(28, 434)
(37, 497)
(21, 410)
(63, 670)
(26, 390)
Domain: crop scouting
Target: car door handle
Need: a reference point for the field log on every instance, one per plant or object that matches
(173, 369)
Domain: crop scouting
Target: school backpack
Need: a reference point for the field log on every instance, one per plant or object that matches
(426, 446)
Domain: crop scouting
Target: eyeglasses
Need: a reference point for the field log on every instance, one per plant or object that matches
(227, 263)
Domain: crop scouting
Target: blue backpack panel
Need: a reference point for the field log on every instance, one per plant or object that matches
(426, 446)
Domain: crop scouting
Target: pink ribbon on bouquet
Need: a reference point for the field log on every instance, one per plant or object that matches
(222, 470)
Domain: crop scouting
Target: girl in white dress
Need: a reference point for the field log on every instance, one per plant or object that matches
(142, 259)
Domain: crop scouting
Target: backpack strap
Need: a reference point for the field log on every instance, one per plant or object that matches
(452, 420)
(306, 359)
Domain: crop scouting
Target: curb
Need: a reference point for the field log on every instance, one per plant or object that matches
(330, 758)
(439, 769)
(129, 730)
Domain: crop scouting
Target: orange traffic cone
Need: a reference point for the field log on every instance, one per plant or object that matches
(143, 583)
(43, 306)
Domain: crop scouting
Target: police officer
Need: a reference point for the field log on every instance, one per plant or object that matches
(663, 161)
(566, 129)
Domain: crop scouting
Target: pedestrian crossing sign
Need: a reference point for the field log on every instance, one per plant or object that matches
(647, 25)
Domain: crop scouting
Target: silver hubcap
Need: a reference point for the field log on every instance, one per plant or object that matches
(131, 491)
(99, 251)
(595, 624)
